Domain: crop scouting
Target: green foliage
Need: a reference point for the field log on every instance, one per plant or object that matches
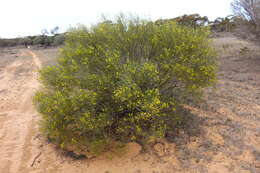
(226, 24)
(123, 81)
(39, 40)
(43, 40)
(192, 20)
(58, 39)
(8, 42)
(48, 41)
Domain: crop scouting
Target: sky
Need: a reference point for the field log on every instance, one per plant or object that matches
(29, 17)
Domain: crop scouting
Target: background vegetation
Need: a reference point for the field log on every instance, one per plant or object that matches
(247, 13)
(245, 20)
(46, 39)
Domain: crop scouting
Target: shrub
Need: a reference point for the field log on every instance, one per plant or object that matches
(25, 41)
(123, 81)
(48, 41)
(226, 24)
(192, 20)
(58, 39)
(39, 40)
(8, 42)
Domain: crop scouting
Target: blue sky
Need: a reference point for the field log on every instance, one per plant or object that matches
(29, 17)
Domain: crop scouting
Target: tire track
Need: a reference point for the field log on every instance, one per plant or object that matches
(18, 123)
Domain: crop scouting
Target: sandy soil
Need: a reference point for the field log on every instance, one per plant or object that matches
(222, 135)
(18, 81)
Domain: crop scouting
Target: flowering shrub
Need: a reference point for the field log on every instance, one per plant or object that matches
(123, 81)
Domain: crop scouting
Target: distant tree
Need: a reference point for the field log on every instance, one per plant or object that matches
(48, 40)
(44, 32)
(25, 41)
(39, 40)
(44, 39)
(8, 42)
(248, 10)
(55, 30)
(226, 24)
(58, 39)
(192, 20)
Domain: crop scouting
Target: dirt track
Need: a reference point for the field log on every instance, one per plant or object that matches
(18, 83)
(224, 135)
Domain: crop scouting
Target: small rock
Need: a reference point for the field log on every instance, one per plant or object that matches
(159, 149)
(138, 171)
(257, 165)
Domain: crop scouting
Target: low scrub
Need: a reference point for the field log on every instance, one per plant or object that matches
(123, 81)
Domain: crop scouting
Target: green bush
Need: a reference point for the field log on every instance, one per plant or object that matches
(58, 39)
(192, 20)
(123, 81)
(39, 40)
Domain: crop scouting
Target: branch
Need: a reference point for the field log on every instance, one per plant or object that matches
(36, 159)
